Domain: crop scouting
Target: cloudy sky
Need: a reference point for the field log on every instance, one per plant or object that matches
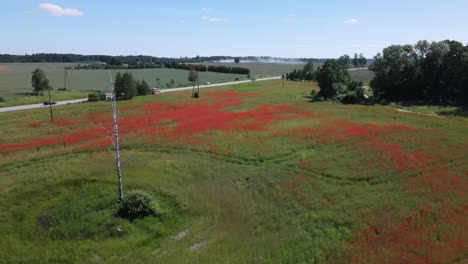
(294, 28)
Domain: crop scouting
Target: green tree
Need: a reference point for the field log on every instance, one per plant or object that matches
(362, 61)
(344, 61)
(143, 88)
(236, 60)
(125, 86)
(39, 81)
(395, 71)
(192, 77)
(356, 60)
(115, 62)
(333, 78)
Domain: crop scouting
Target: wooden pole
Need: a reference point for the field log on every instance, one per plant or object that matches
(50, 108)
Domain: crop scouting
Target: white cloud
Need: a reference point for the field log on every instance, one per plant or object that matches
(207, 10)
(57, 10)
(351, 21)
(213, 19)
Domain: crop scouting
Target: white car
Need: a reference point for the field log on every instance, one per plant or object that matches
(155, 90)
(207, 83)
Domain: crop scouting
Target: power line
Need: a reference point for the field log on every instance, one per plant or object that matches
(116, 137)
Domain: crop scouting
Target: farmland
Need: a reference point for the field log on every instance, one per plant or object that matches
(247, 173)
(15, 78)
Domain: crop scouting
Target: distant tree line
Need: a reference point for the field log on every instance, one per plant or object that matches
(210, 68)
(307, 73)
(69, 58)
(435, 72)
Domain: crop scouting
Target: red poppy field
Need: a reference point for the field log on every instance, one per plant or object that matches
(262, 176)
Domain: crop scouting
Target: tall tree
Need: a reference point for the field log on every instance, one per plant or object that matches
(332, 78)
(362, 61)
(356, 60)
(125, 86)
(344, 61)
(39, 81)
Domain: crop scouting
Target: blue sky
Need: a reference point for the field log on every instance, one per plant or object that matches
(294, 28)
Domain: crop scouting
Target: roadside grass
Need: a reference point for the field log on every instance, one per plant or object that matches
(247, 173)
(29, 98)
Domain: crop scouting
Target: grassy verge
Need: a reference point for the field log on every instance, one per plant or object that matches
(36, 99)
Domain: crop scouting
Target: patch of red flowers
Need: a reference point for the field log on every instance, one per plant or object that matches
(428, 236)
(173, 121)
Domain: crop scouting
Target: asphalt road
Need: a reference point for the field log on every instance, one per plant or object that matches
(34, 106)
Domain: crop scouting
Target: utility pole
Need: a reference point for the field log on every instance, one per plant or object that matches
(50, 107)
(283, 79)
(198, 84)
(116, 137)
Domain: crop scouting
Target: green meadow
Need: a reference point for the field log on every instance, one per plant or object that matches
(251, 173)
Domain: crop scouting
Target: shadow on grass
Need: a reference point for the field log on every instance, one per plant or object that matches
(458, 112)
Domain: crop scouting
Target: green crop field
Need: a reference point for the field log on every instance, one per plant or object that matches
(15, 78)
(363, 75)
(252, 173)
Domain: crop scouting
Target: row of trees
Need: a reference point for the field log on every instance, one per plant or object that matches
(210, 68)
(435, 72)
(305, 74)
(359, 61)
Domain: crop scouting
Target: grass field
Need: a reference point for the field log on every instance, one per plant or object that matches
(246, 174)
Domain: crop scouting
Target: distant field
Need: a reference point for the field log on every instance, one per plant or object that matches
(363, 75)
(252, 173)
(276, 69)
(15, 77)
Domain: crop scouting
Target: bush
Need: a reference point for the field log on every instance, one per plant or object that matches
(136, 205)
(62, 89)
(2, 100)
(196, 95)
(102, 96)
(93, 97)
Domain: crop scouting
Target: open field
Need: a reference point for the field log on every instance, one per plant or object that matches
(246, 174)
(362, 75)
(15, 78)
(277, 69)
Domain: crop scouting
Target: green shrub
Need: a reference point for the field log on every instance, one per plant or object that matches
(2, 100)
(137, 204)
(196, 95)
(93, 97)
(62, 89)
(102, 96)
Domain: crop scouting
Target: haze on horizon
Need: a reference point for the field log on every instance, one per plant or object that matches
(179, 28)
